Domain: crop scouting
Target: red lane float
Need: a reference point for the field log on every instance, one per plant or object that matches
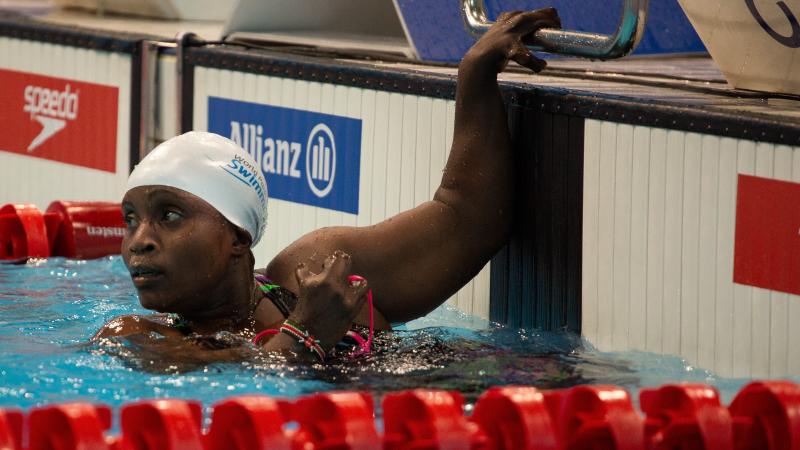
(515, 418)
(23, 233)
(766, 416)
(161, 425)
(70, 426)
(85, 230)
(595, 417)
(425, 419)
(337, 420)
(82, 230)
(248, 423)
(763, 416)
(687, 416)
(11, 429)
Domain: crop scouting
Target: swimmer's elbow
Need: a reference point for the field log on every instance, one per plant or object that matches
(490, 225)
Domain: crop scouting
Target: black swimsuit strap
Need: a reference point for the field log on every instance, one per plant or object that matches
(282, 298)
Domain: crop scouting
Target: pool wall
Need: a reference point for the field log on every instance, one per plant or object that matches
(631, 228)
(86, 156)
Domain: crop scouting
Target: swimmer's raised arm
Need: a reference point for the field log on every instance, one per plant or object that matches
(417, 259)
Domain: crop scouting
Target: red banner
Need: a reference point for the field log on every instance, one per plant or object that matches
(68, 121)
(767, 252)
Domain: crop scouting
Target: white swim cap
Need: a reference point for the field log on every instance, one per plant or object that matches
(213, 168)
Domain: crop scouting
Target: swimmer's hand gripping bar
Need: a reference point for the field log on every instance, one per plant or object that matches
(573, 43)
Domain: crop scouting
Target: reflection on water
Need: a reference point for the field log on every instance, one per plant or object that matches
(440, 358)
(50, 309)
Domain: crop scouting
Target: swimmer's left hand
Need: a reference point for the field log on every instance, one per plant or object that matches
(505, 41)
(328, 301)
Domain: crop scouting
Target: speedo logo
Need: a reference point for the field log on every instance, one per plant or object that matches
(282, 157)
(51, 108)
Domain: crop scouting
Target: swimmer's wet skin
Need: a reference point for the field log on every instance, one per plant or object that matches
(194, 209)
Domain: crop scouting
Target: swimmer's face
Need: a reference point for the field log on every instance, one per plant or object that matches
(177, 248)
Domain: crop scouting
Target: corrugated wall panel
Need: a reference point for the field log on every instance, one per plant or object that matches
(404, 146)
(536, 277)
(658, 248)
(23, 178)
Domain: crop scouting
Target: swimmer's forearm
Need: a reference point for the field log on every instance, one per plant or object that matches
(478, 178)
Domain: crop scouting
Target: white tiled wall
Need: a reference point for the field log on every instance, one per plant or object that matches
(658, 242)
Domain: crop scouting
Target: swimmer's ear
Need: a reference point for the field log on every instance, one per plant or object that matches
(241, 241)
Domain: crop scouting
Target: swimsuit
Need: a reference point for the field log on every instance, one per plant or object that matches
(282, 298)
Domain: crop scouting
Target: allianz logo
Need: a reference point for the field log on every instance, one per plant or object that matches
(51, 108)
(285, 158)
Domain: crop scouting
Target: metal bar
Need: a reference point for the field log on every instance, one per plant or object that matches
(147, 97)
(573, 43)
(182, 88)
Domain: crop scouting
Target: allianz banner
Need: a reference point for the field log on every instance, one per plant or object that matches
(306, 157)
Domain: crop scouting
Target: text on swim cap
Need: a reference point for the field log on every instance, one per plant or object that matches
(242, 170)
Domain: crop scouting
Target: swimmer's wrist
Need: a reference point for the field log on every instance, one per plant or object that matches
(482, 62)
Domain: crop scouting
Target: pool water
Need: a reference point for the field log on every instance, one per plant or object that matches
(49, 310)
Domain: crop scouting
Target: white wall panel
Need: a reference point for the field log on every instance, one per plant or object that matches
(404, 146)
(658, 248)
(40, 181)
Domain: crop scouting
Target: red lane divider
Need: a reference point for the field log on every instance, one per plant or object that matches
(595, 417)
(23, 233)
(161, 425)
(515, 418)
(766, 415)
(10, 429)
(82, 230)
(686, 417)
(763, 416)
(425, 419)
(248, 423)
(339, 420)
(69, 426)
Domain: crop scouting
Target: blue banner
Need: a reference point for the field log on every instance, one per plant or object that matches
(306, 157)
(437, 30)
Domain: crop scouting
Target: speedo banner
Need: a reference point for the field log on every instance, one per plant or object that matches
(306, 157)
(68, 121)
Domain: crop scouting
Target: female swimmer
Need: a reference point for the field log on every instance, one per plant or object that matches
(194, 209)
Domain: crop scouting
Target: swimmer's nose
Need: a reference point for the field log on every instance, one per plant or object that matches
(141, 241)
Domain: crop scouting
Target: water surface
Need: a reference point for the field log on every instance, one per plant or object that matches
(50, 309)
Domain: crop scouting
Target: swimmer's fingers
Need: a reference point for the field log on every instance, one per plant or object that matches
(337, 265)
(302, 273)
(525, 25)
(524, 57)
(358, 293)
(532, 21)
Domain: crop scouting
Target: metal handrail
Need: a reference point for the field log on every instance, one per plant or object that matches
(573, 43)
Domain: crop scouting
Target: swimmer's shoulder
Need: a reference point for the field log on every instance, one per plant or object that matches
(136, 324)
(311, 249)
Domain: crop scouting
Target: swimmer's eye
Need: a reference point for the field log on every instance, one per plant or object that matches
(130, 221)
(172, 216)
